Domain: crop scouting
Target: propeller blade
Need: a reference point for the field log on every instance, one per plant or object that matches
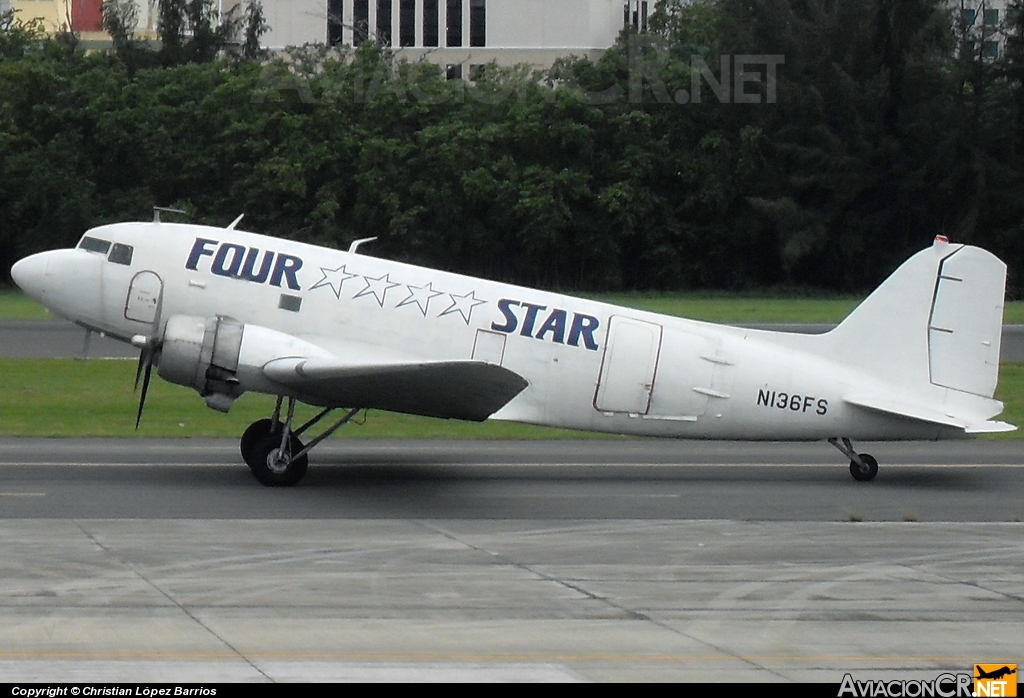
(145, 387)
(143, 359)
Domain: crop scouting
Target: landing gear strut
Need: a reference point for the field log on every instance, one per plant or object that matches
(863, 466)
(272, 449)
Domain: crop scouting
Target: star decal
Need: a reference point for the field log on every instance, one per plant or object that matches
(377, 288)
(420, 296)
(463, 305)
(333, 279)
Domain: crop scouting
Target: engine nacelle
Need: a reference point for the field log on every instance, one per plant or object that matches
(202, 353)
(221, 358)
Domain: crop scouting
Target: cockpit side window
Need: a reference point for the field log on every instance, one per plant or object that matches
(94, 245)
(121, 254)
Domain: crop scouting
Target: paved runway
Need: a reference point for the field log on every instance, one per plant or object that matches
(136, 560)
(62, 339)
(515, 480)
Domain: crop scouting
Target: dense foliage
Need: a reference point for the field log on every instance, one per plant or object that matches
(887, 124)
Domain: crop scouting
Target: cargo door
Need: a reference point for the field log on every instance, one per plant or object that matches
(629, 366)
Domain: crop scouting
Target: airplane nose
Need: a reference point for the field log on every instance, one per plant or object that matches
(30, 275)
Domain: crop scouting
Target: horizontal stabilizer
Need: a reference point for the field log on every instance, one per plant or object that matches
(471, 390)
(924, 413)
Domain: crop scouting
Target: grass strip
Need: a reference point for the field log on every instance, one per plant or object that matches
(74, 398)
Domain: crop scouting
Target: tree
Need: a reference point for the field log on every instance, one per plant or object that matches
(191, 33)
(255, 27)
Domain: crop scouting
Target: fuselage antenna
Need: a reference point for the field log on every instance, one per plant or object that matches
(158, 209)
(354, 247)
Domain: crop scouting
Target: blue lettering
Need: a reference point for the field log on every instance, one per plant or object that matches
(286, 266)
(553, 327)
(220, 262)
(237, 261)
(510, 318)
(531, 318)
(583, 326)
(199, 250)
(555, 324)
(250, 264)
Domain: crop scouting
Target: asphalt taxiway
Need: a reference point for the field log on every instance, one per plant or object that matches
(133, 560)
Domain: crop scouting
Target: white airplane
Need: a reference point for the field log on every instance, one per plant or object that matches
(225, 311)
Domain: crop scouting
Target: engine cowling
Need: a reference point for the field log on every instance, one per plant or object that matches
(202, 353)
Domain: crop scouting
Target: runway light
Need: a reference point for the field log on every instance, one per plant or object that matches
(941, 240)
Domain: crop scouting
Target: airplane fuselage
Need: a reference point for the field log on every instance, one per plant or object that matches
(589, 365)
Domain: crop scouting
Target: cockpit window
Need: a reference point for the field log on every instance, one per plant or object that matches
(121, 254)
(94, 245)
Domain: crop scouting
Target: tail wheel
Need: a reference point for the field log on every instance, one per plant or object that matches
(274, 467)
(863, 473)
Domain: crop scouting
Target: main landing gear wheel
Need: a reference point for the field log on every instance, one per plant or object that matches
(272, 449)
(275, 467)
(256, 431)
(865, 472)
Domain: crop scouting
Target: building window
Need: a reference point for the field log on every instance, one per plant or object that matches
(969, 16)
(407, 23)
(335, 11)
(360, 22)
(476, 71)
(384, 22)
(634, 14)
(454, 37)
(453, 71)
(430, 22)
(477, 23)
(991, 18)
(990, 49)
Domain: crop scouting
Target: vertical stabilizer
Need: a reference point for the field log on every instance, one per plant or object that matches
(937, 320)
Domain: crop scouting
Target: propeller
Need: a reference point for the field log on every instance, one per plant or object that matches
(150, 346)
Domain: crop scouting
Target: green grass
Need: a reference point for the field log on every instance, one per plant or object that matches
(15, 305)
(69, 397)
(729, 308)
(1011, 392)
(72, 398)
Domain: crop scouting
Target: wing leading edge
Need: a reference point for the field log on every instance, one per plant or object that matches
(470, 390)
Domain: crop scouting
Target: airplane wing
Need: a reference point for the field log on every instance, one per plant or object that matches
(471, 390)
(923, 413)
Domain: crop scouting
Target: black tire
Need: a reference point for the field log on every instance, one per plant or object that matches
(866, 473)
(268, 467)
(256, 431)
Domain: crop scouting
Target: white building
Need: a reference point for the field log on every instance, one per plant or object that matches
(457, 32)
(985, 24)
